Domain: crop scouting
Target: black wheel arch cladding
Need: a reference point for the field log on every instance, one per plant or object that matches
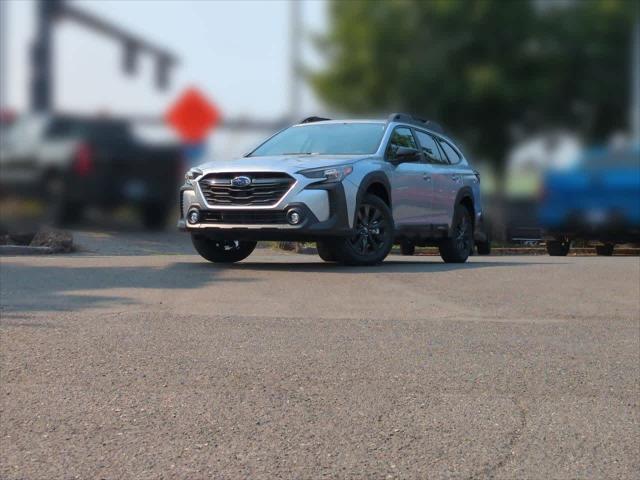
(464, 196)
(373, 179)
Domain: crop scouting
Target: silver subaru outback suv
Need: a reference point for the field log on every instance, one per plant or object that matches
(355, 187)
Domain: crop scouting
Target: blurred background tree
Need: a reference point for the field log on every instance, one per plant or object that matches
(484, 68)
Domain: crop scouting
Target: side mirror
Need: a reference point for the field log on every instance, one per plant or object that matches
(406, 154)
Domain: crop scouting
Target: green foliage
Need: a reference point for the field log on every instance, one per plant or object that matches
(482, 66)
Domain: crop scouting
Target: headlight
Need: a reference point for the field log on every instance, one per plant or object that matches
(329, 174)
(192, 174)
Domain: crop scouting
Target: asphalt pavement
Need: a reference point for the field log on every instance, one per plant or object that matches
(134, 358)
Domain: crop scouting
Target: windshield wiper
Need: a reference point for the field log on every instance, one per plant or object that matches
(301, 153)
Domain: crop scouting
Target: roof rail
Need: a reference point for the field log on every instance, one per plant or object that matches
(314, 119)
(422, 122)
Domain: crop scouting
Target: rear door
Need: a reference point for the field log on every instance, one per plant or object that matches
(458, 174)
(410, 191)
(437, 175)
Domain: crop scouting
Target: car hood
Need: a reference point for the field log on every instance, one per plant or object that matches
(279, 163)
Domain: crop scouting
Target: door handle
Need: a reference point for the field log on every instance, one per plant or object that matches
(426, 177)
(455, 178)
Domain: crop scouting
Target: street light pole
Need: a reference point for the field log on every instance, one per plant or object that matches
(4, 50)
(294, 58)
(41, 61)
(42, 54)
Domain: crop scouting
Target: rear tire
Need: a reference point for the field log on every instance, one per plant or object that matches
(458, 248)
(558, 248)
(325, 251)
(407, 248)
(374, 234)
(62, 213)
(484, 248)
(605, 250)
(222, 251)
(60, 210)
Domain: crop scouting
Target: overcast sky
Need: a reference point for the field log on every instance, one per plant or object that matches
(236, 51)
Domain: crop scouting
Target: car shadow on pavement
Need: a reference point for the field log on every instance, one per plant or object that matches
(389, 266)
(42, 288)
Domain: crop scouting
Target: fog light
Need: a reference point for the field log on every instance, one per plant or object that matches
(294, 217)
(193, 216)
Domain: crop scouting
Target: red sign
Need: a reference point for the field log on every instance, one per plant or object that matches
(192, 116)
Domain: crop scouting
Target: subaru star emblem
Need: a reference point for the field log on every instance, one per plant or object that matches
(240, 181)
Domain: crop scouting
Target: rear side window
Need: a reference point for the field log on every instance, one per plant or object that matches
(429, 147)
(453, 156)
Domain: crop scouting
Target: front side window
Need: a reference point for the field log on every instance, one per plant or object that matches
(429, 147)
(324, 139)
(401, 137)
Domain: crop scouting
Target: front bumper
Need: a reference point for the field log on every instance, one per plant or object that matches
(270, 224)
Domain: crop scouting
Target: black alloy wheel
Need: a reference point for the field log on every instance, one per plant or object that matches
(559, 247)
(605, 250)
(372, 230)
(373, 237)
(222, 251)
(457, 248)
(463, 234)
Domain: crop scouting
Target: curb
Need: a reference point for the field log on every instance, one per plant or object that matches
(25, 250)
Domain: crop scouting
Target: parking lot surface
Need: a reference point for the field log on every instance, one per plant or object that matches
(137, 359)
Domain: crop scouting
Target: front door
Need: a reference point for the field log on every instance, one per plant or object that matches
(410, 187)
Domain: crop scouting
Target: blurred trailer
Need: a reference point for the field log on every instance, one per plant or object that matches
(597, 199)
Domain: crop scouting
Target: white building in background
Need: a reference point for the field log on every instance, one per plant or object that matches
(528, 160)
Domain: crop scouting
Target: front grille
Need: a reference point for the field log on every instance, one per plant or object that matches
(239, 217)
(266, 188)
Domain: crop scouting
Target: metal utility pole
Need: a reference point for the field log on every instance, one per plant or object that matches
(41, 61)
(295, 19)
(42, 57)
(3, 55)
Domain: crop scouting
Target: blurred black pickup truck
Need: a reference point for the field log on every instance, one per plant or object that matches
(74, 162)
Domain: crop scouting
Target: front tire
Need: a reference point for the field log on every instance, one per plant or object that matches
(60, 210)
(484, 248)
(222, 251)
(374, 234)
(325, 251)
(458, 248)
(558, 248)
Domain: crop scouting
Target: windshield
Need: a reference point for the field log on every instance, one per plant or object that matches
(324, 139)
